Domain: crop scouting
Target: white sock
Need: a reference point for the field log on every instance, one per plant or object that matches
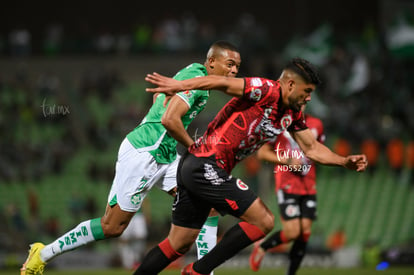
(84, 233)
(207, 238)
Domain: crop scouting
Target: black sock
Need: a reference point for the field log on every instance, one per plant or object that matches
(272, 241)
(296, 255)
(234, 240)
(153, 263)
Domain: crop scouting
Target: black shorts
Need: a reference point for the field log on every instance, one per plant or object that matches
(202, 185)
(293, 206)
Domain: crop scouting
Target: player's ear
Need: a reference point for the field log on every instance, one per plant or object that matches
(291, 84)
(211, 61)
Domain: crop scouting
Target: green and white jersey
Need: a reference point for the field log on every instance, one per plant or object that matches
(150, 135)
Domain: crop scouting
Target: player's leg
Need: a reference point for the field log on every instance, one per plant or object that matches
(298, 250)
(135, 175)
(290, 230)
(206, 183)
(139, 238)
(179, 241)
(207, 238)
(289, 208)
(127, 193)
(131, 243)
(125, 251)
(257, 222)
(110, 225)
(188, 217)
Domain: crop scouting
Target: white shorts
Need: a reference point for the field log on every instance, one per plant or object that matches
(135, 174)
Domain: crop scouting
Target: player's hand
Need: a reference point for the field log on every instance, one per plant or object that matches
(166, 85)
(356, 162)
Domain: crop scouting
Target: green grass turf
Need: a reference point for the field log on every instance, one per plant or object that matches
(224, 271)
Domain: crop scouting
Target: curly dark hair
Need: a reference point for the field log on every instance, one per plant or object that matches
(305, 69)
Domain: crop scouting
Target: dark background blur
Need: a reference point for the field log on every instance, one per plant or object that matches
(282, 19)
(71, 88)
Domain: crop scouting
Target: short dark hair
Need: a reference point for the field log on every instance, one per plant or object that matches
(305, 69)
(225, 45)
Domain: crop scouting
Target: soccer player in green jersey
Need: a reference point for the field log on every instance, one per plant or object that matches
(146, 157)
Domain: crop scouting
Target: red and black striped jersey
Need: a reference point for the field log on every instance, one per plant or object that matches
(244, 124)
(297, 180)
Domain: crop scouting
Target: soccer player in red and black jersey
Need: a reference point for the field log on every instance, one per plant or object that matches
(295, 186)
(261, 110)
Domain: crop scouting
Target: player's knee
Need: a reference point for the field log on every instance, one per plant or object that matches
(184, 248)
(111, 231)
(182, 245)
(293, 233)
(182, 240)
(267, 223)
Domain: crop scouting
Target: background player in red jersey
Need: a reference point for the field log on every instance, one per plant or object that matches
(261, 110)
(295, 186)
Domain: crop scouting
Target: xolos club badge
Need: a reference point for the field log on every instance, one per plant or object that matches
(241, 185)
(286, 121)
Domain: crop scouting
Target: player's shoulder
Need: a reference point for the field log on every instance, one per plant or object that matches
(260, 89)
(260, 81)
(191, 71)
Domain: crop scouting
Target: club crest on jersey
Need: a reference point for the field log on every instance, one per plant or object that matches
(241, 185)
(292, 210)
(136, 199)
(286, 121)
(256, 95)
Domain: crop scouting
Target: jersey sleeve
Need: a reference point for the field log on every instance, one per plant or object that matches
(256, 88)
(192, 97)
(298, 123)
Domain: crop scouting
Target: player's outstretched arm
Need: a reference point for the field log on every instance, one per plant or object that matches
(318, 152)
(229, 85)
(268, 153)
